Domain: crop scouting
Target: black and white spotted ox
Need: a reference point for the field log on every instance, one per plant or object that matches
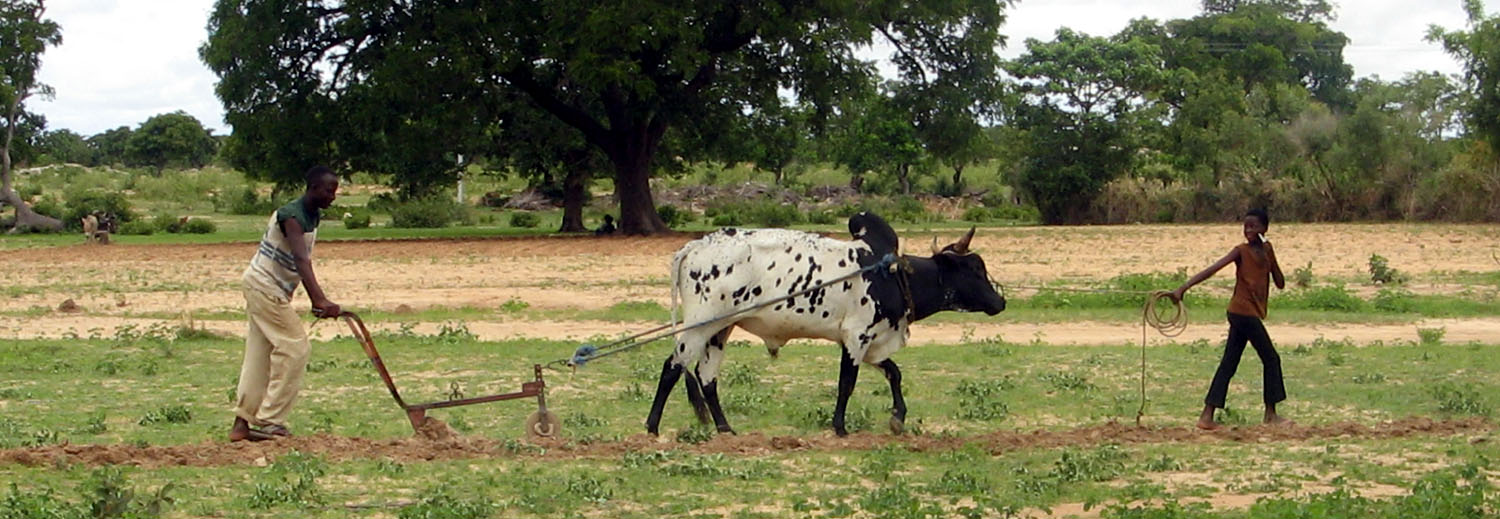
(867, 314)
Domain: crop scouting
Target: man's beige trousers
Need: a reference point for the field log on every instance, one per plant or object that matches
(276, 351)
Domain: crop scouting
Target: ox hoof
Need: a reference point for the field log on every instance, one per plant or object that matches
(728, 430)
(898, 425)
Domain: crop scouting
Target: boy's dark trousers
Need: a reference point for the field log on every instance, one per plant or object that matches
(1243, 328)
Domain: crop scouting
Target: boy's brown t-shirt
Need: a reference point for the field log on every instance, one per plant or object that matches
(1252, 282)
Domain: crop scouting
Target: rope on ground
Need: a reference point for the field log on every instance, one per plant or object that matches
(1168, 325)
(1153, 316)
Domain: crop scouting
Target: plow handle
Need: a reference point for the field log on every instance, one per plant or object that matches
(362, 334)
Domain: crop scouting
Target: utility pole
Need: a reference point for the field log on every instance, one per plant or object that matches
(460, 162)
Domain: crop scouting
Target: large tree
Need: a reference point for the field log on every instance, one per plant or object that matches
(875, 133)
(619, 73)
(24, 36)
(1263, 43)
(1083, 101)
(64, 146)
(1299, 10)
(1478, 50)
(109, 146)
(171, 138)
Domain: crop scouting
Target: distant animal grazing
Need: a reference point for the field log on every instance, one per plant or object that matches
(92, 232)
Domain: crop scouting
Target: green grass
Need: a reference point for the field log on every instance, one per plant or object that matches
(179, 392)
(1042, 385)
(882, 483)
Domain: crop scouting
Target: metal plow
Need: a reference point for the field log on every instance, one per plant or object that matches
(540, 424)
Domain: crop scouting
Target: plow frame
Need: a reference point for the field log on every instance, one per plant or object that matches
(540, 424)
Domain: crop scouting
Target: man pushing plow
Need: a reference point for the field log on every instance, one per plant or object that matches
(276, 345)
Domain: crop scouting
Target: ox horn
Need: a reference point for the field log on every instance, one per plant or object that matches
(935, 249)
(962, 245)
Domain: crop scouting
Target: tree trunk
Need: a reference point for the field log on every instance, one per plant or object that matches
(26, 219)
(958, 178)
(856, 181)
(903, 174)
(632, 161)
(575, 189)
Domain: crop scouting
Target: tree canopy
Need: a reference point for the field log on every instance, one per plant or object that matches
(621, 74)
(24, 35)
(173, 138)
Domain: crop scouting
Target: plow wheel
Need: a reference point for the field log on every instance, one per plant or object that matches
(542, 424)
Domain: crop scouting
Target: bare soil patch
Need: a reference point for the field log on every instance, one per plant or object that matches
(591, 273)
(338, 448)
(1060, 334)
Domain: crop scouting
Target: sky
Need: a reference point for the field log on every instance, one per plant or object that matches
(123, 61)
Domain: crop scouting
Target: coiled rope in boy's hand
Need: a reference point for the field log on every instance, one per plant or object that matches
(1169, 325)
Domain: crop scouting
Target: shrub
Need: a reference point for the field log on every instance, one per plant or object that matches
(1381, 272)
(695, 435)
(728, 220)
(910, 210)
(1331, 298)
(200, 226)
(673, 216)
(1459, 399)
(976, 214)
(823, 217)
(50, 206)
(771, 214)
(291, 480)
(524, 219)
(1396, 300)
(382, 203)
(765, 213)
(425, 213)
(357, 219)
(167, 222)
(138, 228)
(167, 414)
(1431, 336)
(441, 504)
(996, 198)
(247, 201)
(81, 203)
(1302, 277)
(1021, 213)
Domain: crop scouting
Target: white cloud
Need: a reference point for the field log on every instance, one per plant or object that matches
(123, 61)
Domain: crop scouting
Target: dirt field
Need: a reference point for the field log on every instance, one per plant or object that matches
(139, 285)
(215, 453)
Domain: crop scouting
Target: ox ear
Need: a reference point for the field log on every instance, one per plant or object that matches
(961, 247)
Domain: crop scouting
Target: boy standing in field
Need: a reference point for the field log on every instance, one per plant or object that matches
(1255, 262)
(276, 346)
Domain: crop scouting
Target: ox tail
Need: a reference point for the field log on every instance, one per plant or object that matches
(677, 262)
